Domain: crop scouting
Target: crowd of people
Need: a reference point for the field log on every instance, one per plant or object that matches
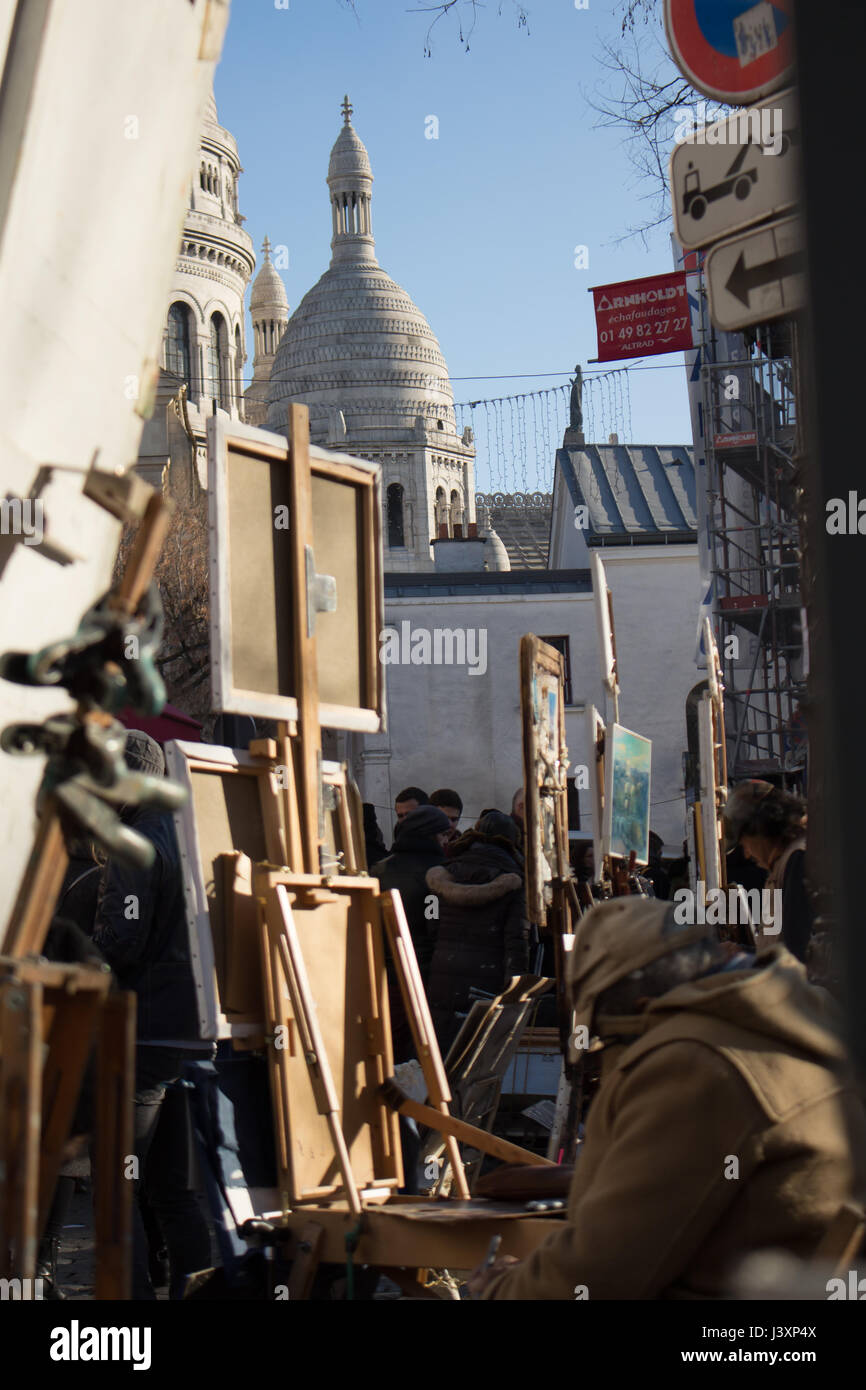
(463, 893)
(671, 1007)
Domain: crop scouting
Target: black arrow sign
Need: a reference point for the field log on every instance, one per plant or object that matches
(742, 281)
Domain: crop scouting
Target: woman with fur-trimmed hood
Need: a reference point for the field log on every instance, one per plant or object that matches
(483, 935)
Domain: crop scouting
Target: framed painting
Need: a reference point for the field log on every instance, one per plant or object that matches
(626, 820)
(545, 765)
(233, 807)
(256, 555)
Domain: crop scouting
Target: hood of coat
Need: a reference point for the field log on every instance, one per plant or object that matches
(772, 999)
(482, 863)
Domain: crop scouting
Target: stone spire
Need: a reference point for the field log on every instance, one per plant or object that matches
(350, 180)
(269, 311)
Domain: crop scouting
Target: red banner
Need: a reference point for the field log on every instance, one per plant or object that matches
(639, 318)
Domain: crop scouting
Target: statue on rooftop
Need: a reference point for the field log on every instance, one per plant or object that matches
(576, 407)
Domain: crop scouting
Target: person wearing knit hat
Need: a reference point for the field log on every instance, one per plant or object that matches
(727, 1120)
(143, 753)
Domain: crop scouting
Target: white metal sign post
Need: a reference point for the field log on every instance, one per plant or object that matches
(757, 276)
(736, 172)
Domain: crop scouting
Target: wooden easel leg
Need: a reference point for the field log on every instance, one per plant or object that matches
(288, 754)
(20, 1125)
(306, 679)
(69, 1040)
(423, 1033)
(112, 1205)
(40, 886)
(306, 1261)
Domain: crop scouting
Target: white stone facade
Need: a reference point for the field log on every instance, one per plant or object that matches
(204, 335)
(93, 208)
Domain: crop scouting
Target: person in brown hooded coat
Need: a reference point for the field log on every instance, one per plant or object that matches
(726, 1121)
(482, 937)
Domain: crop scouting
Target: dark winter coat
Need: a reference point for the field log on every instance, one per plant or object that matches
(141, 930)
(789, 874)
(483, 935)
(406, 870)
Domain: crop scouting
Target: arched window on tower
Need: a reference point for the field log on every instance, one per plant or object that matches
(455, 515)
(217, 363)
(177, 353)
(396, 530)
(239, 386)
(441, 512)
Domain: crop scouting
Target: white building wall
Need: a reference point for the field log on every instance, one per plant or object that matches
(655, 592)
(86, 260)
(449, 728)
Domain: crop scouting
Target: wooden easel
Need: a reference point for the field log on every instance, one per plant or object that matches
(321, 939)
(34, 904)
(476, 1064)
(51, 1015)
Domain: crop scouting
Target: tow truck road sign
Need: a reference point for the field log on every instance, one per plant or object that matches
(757, 276)
(737, 51)
(736, 172)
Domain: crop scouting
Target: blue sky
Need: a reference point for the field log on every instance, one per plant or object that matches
(479, 225)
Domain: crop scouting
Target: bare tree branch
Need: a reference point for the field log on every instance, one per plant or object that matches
(463, 8)
(638, 95)
(181, 576)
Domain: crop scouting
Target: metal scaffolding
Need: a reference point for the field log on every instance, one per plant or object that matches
(750, 427)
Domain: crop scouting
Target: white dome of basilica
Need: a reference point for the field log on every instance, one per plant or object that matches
(357, 346)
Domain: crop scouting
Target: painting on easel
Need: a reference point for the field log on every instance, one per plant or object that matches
(626, 824)
(233, 806)
(595, 736)
(545, 764)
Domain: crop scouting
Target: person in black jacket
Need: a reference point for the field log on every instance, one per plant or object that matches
(142, 932)
(483, 935)
(374, 841)
(419, 844)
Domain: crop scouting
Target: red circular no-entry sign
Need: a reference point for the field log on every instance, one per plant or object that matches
(734, 50)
